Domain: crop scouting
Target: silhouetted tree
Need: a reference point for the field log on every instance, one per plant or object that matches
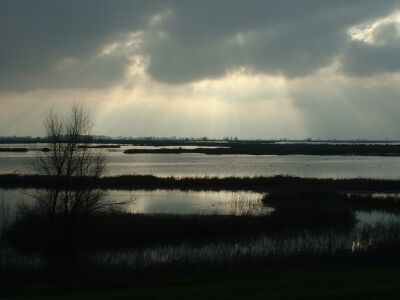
(69, 156)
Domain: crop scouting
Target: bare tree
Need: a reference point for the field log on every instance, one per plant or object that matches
(69, 155)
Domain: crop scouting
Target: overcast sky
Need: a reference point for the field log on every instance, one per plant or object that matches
(251, 69)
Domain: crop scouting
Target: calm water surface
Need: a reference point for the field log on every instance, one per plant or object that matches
(229, 165)
(165, 201)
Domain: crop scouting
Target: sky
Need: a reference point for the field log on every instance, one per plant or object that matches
(251, 69)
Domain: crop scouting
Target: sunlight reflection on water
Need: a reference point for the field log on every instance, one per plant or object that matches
(229, 165)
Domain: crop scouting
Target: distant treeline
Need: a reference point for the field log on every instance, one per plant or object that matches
(285, 149)
(260, 183)
(189, 141)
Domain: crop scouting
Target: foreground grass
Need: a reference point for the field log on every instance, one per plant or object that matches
(324, 282)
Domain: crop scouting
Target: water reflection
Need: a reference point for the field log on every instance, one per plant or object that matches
(230, 165)
(162, 201)
(182, 202)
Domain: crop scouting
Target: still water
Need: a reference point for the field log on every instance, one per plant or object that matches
(163, 201)
(190, 164)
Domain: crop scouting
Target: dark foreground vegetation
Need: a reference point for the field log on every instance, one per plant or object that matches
(256, 183)
(284, 149)
(173, 263)
(121, 231)
(310, 229)
(322, 282)
(369, 202)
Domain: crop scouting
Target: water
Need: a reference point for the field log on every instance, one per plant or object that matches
(164, 201)
(180, 202)
(190, 164)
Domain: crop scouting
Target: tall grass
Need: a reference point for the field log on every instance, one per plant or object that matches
(241, 205)
(122, 230)
(367, 244)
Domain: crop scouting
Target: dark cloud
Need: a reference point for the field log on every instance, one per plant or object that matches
(291, 38)
(382, 55)
(192, 39)
(36, 36)
(362, 59)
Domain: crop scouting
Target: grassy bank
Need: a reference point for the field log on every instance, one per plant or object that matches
(319, 198)
(13, 150)
(256, 183)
